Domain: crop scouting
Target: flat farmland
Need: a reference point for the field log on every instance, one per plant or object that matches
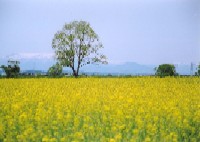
(100, 109)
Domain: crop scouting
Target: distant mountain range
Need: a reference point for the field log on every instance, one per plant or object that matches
(127, 68)
(133, 68)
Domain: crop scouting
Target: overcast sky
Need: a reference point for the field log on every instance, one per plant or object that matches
(142, 31)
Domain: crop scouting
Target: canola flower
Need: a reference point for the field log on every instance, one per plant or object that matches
(145, 109)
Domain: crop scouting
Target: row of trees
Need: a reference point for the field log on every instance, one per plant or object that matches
(162, 70)
(56, 70)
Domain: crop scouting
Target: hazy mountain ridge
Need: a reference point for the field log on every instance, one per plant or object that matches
(42, 63)
(125, 68)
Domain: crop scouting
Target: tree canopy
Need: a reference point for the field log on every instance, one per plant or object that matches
(77, 45)
(12, 70)
(166, 70)
(55, 70)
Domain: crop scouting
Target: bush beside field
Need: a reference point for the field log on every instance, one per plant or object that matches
(100, 109)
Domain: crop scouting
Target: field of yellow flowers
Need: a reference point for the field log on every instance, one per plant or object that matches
(100, 109)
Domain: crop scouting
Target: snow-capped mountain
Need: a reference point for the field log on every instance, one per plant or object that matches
(20, 56)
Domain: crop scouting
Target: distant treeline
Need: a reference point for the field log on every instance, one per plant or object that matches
(96, 76)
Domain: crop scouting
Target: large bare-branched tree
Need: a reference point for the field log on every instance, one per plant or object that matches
(77, 45)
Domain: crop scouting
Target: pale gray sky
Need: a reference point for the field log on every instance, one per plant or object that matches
(142, 31)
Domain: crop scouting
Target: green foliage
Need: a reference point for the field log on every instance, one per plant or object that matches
(77, 45)
(55, 70)
(11, 71)
(198, 71)
(166, 70)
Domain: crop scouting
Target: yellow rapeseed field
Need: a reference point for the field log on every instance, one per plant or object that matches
(100, 109)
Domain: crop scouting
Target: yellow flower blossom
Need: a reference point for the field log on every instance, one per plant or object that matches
(100, 109)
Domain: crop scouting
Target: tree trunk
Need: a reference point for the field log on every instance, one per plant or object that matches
(75, 74)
